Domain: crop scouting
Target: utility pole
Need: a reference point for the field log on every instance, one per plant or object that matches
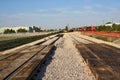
(118, 20)
(103, 22)
(112, 20)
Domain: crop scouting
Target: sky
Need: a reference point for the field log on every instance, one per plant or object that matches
(58, 13)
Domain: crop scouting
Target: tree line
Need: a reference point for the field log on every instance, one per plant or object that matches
(20, 30)
(113, 27)
(23, 30)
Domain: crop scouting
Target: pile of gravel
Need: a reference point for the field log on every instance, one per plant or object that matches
(66, 64)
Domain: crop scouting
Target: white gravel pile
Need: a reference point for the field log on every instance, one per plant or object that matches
(67, 64)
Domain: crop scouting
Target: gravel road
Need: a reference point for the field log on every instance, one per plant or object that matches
(66, 64)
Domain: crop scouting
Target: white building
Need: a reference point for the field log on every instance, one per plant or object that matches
(117, 23)
(108, 24)
(112, 24)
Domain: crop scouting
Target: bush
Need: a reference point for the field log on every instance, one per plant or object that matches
(21, 30)
(6, 31)
(114, 27)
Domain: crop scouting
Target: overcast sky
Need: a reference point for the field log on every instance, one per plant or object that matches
(58, 13)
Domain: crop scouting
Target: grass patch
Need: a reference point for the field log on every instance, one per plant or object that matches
(104, 38)
(8, 44)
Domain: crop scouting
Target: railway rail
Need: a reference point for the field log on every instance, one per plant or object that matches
(102, 59)
(20, 64)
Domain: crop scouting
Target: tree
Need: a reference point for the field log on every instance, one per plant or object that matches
(100, 28)
(6, 31)
(116, 27)
(36, 29)
(66, 28)
(108, 28)
(30, 29)
(21, 30)
(109, 23)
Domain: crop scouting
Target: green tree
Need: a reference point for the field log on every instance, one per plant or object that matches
(104, 28)
(108, 28)
(6, 31)
(101, 28)
(21, 30)
(30, 29)
(109, 23)
(116, 27)
(66, 28)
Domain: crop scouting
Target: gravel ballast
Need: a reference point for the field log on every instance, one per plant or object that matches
(66, 64)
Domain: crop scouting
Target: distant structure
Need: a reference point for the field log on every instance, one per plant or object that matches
(29, 29)
(36, 29)
(84, 28)
(117, 23)
(110, 24)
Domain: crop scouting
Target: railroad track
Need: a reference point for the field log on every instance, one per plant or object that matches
(19, 65)
(103, 60)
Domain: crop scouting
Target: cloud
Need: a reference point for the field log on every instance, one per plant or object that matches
(87, 7)
(23, 15)
(41, 10)
(62, 13)
(61, 16)
(88, 0)
(113, 9)
(98, 5)
(67, 11)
